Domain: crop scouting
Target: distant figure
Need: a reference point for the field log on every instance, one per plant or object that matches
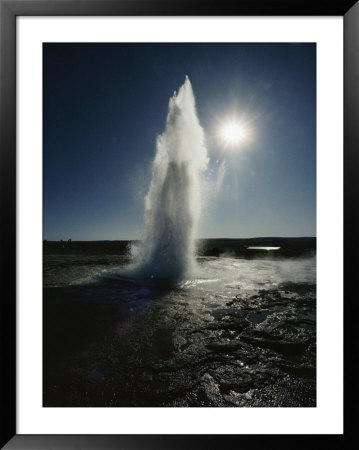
(69, 243)
(62, 244)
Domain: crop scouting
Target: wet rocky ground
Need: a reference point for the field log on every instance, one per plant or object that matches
(180, 347)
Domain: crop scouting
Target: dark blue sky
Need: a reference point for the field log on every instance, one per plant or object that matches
(105, 104)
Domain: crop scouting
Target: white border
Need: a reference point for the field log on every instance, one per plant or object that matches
(327, 416)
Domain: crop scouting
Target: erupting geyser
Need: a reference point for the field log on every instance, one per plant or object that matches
(173, 204)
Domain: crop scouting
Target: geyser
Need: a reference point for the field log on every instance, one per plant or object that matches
(173, 201)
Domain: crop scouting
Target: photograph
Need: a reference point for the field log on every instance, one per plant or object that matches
(179, 224)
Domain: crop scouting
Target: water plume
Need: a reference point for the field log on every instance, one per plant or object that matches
(173, 203)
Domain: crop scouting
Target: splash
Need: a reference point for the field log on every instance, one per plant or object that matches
(173, 203)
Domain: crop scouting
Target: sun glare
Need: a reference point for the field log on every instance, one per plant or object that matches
(233, 132)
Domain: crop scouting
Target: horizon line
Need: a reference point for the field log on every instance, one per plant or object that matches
(196, 239)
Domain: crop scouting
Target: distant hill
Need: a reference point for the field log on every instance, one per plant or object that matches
(289, 247)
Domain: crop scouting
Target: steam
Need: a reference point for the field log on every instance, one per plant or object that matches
(173, 202)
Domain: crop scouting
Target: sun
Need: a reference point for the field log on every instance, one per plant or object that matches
(233, 132)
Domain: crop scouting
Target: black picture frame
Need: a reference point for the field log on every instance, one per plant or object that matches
(9, 10)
